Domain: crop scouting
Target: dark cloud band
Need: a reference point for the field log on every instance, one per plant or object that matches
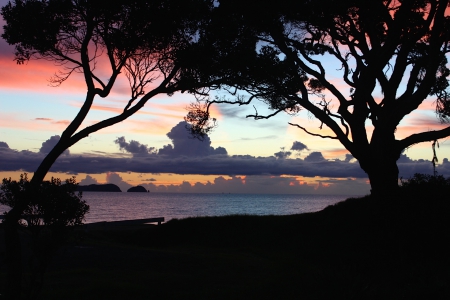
(11, 160)
(190, 156)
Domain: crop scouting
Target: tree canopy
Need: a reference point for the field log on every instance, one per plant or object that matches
(144, 40)
(279, 55)
(147, 41)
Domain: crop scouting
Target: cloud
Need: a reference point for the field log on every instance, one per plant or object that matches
(88, 180)
(404, 159)
(266, 137)
(134, 147)
(298, 146)
(264, 184)
(62, 122)
(48, 145)
(150, 179)
(282, 154)
(189, 156)
(186, 145)
(349, 186)
(116, 179)
(231, 111)
(314, 157)
(348, 157)
(209, 165)
(11, 160)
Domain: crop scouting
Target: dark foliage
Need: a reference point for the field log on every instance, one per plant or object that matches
(52, 213)
(280, 55)
(57, 29)
(422, 186)
(144, 40)
(54, 203)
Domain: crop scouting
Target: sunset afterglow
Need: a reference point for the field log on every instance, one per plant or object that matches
(250, 153)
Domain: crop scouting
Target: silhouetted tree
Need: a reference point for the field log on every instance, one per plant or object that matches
(144, 40)
(55, 209)
(279, 53)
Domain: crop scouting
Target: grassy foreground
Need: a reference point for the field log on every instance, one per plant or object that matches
(357, 249)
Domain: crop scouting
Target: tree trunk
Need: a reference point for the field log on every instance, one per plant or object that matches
(379, 159)
(48, 162)
(13, 257)
(380, 164)
(12, 239)
(383, 178)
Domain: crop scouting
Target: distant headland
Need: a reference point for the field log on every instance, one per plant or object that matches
(109, 187)
(137, 189)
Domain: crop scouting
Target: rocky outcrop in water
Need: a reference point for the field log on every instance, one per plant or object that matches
(137, 189)
(109, 187)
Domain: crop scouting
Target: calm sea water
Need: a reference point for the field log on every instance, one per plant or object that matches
(106, 206)
(124, 206)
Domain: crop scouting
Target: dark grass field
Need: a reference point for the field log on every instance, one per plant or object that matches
(358, 249)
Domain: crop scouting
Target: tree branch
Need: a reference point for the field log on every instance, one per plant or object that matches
(85, 57)
(314, 134)
(434, 57)
(427, 136)
(325, 118)
(401, 62)
(126, 113)
(256, 116)
(338, 55)
(279, 40)
(325, 104)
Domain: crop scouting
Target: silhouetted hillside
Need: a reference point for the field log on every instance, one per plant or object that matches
(109, 187)
(138, 189)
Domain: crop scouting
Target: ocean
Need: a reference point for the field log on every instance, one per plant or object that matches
(109, 206)
(126, 206)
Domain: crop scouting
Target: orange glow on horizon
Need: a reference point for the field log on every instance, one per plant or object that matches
(333, 153)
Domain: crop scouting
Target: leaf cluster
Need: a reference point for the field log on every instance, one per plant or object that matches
(34, 26)
(40, 27)
(426, 186)
(199, 120)
(53, 203)
(279, 55)
(230, 53)
(142, 38)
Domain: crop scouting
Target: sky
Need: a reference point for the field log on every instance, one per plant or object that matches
(154, 149)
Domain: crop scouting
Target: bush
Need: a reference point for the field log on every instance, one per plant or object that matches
(422, 180)
(53, 203)
(54, 209)
(423, 185)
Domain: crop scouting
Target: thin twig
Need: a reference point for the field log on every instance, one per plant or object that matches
(314, 134)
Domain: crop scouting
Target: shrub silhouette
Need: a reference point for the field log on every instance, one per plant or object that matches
(54, 211)
(425, 186)
(55, 204)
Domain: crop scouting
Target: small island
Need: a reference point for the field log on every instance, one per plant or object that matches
(137, 189)
(109, 187)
